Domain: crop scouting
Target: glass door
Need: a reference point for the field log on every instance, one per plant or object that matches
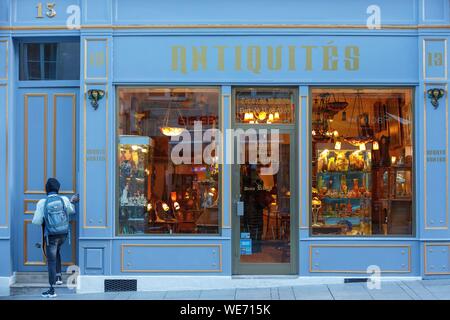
(264, 183)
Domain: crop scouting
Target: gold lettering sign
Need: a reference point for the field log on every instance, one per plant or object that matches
(51, 12)
(249, 58)
(436, 155)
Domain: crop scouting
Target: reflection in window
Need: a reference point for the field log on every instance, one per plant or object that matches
(265, 105)
(49, 61)
(155, 193)
(362, 162)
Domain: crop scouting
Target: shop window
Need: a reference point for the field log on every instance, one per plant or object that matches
(265, 106)
(168, 171)
(49, 61)
(362, 162)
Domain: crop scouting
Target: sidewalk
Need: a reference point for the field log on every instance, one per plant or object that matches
(407, 290)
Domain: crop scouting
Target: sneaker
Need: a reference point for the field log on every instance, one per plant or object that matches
(50, 293)
(59, 280)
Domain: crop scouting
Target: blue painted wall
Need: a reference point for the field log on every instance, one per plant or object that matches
(153, 42)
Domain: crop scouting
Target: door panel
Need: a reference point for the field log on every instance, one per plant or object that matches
(47, 131)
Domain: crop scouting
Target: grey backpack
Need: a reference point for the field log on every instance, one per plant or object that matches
(55, 216)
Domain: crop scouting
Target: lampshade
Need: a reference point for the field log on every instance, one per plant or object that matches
(171, 131)
(375, 145)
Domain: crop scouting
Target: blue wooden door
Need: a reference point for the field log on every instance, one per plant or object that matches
(46, 140)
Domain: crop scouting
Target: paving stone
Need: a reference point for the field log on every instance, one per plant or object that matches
(253, 294)
(123, 295)
(312, 292)
(436, 282)
(350, 291)
(226, 294)
(439, 292)
(389, 291)
(420, 290)
(286, 293)
(416, 290)
(142, 295)
(182, 295)
(89, 296)
(274, 295)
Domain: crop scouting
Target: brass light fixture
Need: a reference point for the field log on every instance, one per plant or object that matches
(169, 130)
(434, 95)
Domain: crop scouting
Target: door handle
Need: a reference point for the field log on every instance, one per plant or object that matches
(239, 208)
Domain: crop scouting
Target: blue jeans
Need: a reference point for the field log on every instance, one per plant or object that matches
(54, 256)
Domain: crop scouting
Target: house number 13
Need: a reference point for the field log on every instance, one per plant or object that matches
(50, 10)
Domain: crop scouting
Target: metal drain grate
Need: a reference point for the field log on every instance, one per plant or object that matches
(353, 280)
(116, 285)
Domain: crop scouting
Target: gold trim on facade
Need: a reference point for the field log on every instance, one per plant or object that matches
(6, 225)
(74, 133)
(229, 26)
(357, 246)
(123, 246)
(26, 222)
(425, 261)
(106, 62)
(424, 63)
(223, 156)
(84, 225)
(73, 236)
(300, 161)
(26, 202)
(426, 226)
(25, 173)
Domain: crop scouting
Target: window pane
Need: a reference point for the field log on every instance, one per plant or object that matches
(362, 162)
(50, 61)
(265, 106)
(168, 183)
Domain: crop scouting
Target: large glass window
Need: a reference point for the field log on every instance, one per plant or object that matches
(50, 61)
(362, 162)
(168, 171)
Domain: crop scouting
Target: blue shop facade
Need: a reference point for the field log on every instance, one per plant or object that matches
(144, 108)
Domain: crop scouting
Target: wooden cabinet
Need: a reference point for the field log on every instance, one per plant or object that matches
(392, 200)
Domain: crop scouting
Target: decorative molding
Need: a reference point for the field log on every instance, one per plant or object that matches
(26, 202)
(6, 41)
(25, 173)
(408, 247)
(424, 59)
(6, 225)
(223, 130)
(74, 140)
(84, 224)
(425, 261)
(123, 246)
(426, 226)
(106, 62)
(226, 26)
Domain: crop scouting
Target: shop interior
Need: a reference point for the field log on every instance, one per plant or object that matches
(362, 160)
(265, 226)
(157, 194)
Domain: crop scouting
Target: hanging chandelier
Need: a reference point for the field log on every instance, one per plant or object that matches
(169, 130)
(365, 135)
(327, 109)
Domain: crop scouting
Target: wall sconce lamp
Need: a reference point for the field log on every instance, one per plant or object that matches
(95, 95)
(435, 94)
